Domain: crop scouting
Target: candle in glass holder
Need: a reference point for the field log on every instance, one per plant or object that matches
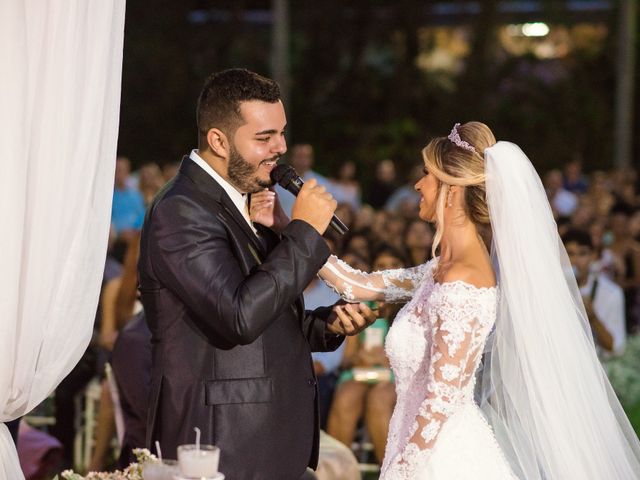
(198, 461)
(160, 470)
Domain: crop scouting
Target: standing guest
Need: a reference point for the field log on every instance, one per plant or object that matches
(603, 299)
(231, 341)
(562, 200)
(127, 212)
(573, 179)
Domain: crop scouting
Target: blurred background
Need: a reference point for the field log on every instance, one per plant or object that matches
(367, 80)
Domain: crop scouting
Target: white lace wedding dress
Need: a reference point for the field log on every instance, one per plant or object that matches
(437, 431)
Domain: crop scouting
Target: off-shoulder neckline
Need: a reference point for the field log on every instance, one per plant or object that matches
(459, 282)
(465, 284)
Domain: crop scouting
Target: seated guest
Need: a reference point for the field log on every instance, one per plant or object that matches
(365, 388)
(131, 364)
(325, 364)
(603, 299)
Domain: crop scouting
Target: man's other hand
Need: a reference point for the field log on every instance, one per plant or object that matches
(265, 209)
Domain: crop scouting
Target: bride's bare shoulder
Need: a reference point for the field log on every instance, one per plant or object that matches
(473, 274)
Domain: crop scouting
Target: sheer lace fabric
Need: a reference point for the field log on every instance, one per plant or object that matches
(434, 346)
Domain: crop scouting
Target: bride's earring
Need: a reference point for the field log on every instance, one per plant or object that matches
(449, 201)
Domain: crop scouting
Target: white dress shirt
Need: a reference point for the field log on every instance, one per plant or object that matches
(608, 305)
(239, 199)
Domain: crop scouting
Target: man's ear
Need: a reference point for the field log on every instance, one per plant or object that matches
(218, 142)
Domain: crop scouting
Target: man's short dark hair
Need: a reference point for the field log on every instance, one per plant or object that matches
(222, 94)
(580, 237)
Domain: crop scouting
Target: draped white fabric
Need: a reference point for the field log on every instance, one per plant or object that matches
(60, 68)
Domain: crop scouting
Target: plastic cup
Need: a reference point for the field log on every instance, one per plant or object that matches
(160, 470)
(198, 462)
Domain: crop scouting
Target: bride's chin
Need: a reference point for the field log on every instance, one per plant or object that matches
(425, 216)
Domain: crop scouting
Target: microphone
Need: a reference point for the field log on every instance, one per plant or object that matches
(287, 178)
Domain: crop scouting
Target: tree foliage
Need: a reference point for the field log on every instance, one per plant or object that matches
(357, 91)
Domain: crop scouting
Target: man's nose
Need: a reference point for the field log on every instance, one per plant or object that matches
(280, 146)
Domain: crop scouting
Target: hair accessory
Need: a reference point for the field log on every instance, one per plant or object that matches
(454, 136)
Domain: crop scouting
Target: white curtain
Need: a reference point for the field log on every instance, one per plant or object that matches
(60, 75)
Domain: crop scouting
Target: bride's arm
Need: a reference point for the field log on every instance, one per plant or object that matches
(456, 344)
(354, 285)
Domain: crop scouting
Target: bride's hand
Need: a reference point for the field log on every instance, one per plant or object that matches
(265, 209)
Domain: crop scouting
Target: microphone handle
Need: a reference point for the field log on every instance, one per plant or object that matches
(338, 226)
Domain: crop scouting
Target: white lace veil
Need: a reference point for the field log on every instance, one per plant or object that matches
(542, 387)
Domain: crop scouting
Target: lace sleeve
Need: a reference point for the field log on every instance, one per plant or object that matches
(458, 335)
(354, 285)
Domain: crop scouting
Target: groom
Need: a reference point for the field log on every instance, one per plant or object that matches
(231, 339)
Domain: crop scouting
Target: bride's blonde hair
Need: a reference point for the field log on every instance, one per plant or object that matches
(459, 160)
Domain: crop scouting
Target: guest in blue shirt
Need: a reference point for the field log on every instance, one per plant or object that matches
(127, 212)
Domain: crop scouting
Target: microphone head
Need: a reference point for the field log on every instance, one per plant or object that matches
(282, 175)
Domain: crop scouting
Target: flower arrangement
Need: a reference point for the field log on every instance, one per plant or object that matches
(132, 472)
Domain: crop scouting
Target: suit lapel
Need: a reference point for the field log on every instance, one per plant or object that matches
(214, 192)
(233, 212)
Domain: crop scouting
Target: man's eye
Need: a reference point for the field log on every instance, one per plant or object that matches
(263, 139)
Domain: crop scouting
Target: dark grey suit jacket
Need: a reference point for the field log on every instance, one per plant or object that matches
(231, 338)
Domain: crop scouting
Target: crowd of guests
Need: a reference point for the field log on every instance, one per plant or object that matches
(598, 217)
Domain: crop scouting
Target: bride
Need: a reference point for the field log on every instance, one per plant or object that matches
(496, 373)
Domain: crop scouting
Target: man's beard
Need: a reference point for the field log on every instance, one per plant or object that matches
(242, 174)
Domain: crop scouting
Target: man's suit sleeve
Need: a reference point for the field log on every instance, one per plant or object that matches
(315, 328)
(191, 255)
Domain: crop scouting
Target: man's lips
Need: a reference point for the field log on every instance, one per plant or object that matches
(269, 164)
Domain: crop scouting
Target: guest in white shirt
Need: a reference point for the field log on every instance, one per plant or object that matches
(603, 299)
